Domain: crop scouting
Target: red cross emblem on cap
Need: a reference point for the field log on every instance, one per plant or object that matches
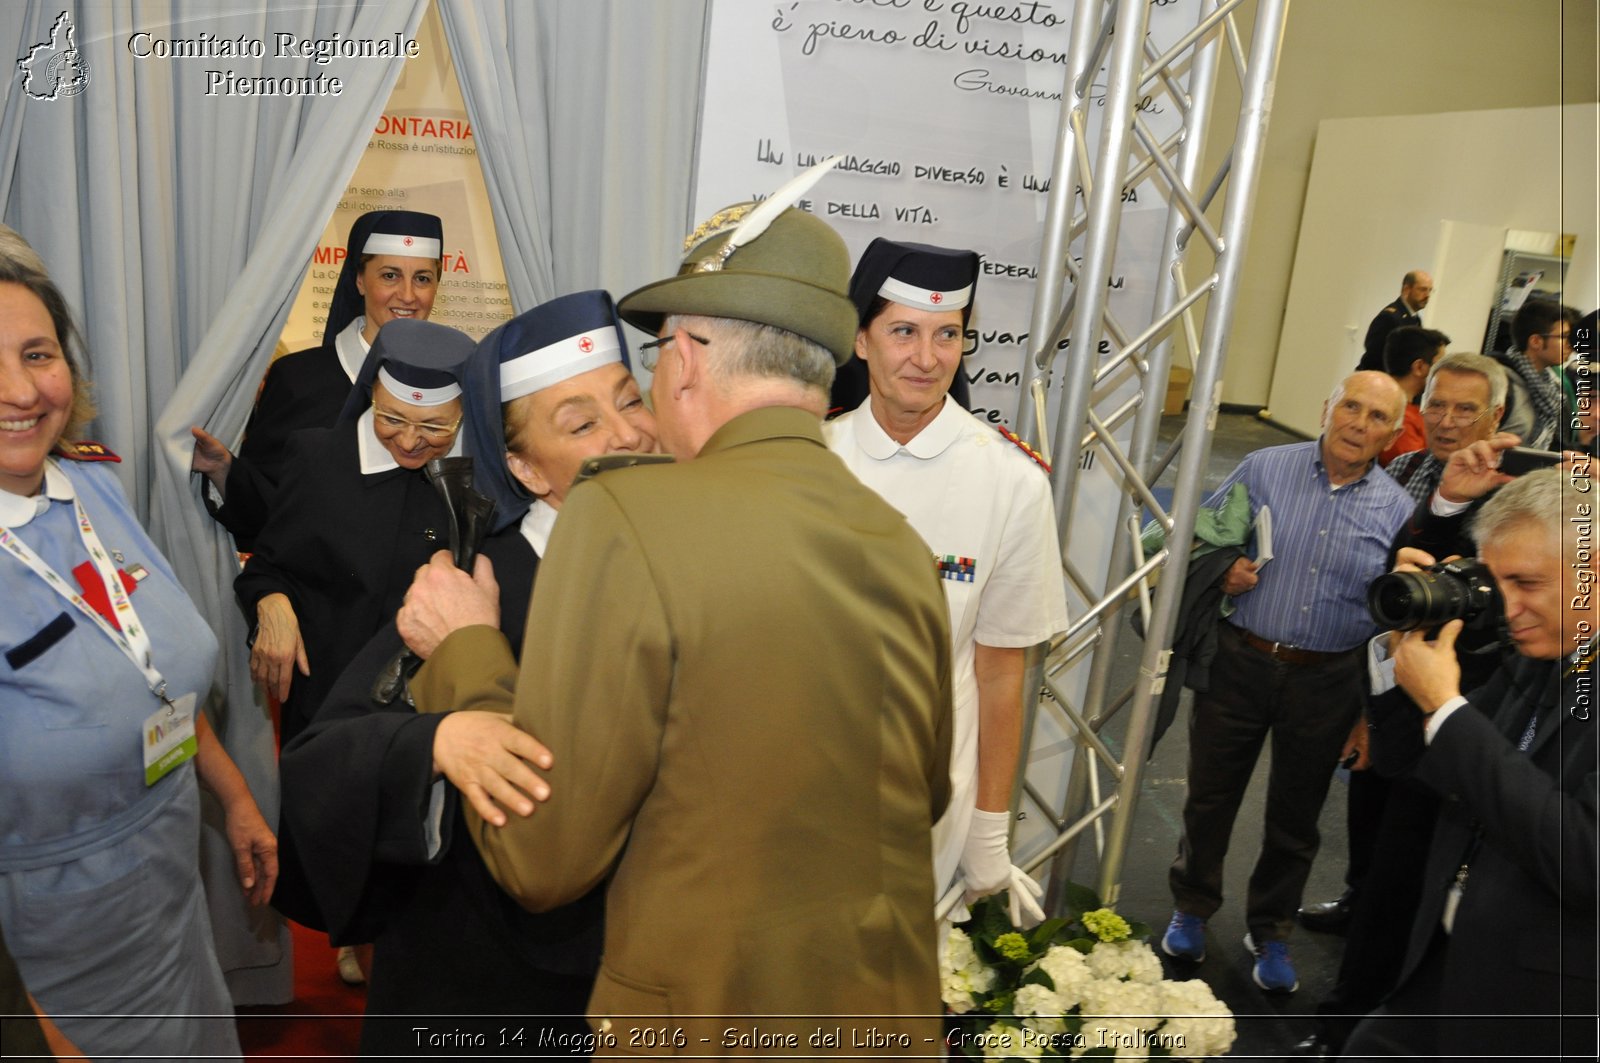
(417, 395)
(936, 298)
(407, 241)
(585, 345)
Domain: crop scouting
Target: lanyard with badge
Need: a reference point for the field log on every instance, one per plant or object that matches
(167, 735)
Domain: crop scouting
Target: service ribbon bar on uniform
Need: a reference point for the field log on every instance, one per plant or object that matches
(960, 569)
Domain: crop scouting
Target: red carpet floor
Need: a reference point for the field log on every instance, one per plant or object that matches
(324, 1019)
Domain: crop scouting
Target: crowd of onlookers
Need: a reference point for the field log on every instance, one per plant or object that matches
(1425, 457)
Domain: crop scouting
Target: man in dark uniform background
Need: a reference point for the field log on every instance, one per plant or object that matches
(1416, 287)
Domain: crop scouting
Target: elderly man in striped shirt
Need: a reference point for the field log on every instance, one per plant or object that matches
(1289, 664)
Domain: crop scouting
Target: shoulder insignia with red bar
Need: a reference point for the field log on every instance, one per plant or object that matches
(87, 451)
(1023, 446)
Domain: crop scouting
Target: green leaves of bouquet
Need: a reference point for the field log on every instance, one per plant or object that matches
(1087, 984)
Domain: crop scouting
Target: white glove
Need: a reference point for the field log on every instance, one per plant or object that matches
(986, 868)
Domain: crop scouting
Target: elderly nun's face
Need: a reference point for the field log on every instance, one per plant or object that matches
(396, 286)
(414, 435)
(35, 389)
(556, 429)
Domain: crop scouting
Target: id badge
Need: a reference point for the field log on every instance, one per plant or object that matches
(168, 738)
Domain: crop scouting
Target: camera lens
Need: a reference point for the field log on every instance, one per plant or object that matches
(1401, 601)
(1405, 600)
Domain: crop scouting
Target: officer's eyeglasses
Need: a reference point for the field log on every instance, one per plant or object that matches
(650, 353)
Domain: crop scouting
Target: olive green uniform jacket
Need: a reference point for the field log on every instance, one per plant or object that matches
(741, 666)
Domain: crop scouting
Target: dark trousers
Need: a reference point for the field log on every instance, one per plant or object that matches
(1380, 923)
(1307, 710)
(1364, 801)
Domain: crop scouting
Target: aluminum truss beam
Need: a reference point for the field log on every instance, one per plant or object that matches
(1084, 209)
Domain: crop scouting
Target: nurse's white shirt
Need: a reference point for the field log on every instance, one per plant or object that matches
(984, 509)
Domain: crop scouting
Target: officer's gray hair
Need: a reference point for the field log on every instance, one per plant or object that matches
(1467, 362)
(748, 348)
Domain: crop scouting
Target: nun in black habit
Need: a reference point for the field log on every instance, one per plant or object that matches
(349, 529)
(390, 273)
(371, 787)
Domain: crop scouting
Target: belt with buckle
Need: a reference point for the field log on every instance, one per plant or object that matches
(1281, 651)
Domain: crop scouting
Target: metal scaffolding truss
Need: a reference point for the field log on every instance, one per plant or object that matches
(1085, 210)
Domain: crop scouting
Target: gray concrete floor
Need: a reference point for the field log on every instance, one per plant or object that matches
(1268, 1026)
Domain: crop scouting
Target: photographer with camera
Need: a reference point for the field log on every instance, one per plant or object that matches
(1391, 818)
(1502, 951)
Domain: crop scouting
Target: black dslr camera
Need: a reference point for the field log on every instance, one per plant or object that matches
(1461, 589)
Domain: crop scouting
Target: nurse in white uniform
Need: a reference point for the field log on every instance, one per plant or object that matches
(983, 506)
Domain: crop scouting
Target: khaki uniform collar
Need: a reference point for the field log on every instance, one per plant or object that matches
(768, 422)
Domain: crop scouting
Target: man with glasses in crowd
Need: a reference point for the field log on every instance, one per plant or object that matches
(1536, 409)
(1462, 403)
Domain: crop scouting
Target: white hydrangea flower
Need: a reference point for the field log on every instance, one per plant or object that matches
(1045, 1028)
(1125, 959)
(961, 973)
(1039, 1009)
(1198, 1024)
(1069, 970)
(1135, 1003)
(1118, 1015)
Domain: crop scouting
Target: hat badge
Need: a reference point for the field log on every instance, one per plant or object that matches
(408, 241)
(936, 298)
(417, 395)
(585, 344)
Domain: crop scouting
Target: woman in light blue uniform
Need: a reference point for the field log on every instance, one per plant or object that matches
(104, 665)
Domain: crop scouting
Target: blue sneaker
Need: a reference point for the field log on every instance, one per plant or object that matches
(1185, 938)
(1274, 971)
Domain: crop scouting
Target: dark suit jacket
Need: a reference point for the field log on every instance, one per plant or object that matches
(1524, 938)
(741, 665)
(1389, 318)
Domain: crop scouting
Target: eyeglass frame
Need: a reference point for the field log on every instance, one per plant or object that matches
(1454, 417)
(649, 354)
(431, 431)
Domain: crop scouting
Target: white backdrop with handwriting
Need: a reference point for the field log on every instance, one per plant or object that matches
(946, 112)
